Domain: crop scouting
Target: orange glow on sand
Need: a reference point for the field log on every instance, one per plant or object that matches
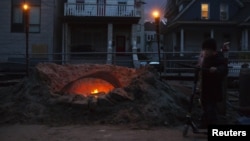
(91, 86)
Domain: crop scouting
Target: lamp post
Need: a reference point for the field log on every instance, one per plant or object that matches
(156, 16)
(26, 10)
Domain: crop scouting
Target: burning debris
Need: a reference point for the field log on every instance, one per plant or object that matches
(66, 94)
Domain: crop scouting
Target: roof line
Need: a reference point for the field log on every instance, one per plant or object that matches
(190, 4)
(184, 10)
(240, 3)
(248, 18)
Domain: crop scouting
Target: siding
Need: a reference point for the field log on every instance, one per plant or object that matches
(5, 20)
(14, 43)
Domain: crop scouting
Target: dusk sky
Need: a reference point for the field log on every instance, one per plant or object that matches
(152, 5)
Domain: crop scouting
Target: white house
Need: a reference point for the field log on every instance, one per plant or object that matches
(104, 27)
(67, 31)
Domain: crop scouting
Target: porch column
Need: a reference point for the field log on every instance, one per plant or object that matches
(174, 43)
(68, 52)
(133, 37)
(212, 33)
(182, 42)
(65, 57)
(134, 46)
(109, 46)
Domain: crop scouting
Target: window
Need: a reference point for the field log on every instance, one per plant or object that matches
(150, 37)
(223, 11)
(205, 11)
(34, 20)
(17, 20)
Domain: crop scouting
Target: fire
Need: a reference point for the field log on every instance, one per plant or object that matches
(95, 91)
(91, 86)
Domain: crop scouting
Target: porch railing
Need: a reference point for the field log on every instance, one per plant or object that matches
(82, 9)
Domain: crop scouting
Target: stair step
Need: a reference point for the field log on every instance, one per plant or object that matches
(9, 82)
(4, 76)
(124, 60)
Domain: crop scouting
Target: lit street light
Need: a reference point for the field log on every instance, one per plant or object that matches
(156, 16)
(26, 10)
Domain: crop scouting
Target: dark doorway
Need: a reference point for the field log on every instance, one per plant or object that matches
(120, 44)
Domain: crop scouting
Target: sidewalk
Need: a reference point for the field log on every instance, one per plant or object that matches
(93, 133)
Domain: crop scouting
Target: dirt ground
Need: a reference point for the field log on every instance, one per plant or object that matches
(99, 132)
(20, 132)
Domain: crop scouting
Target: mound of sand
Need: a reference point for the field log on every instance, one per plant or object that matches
(145, 100)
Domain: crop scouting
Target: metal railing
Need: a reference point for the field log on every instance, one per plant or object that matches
(83, 9)
(170, 61)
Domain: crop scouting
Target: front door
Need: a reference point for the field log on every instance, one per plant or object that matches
(120, 43)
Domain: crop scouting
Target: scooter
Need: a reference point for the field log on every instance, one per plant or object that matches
(189, 121)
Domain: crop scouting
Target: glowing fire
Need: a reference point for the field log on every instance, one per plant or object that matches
(91, 86)
(95, 91)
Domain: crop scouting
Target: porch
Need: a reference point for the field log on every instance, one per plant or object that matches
(109, 10)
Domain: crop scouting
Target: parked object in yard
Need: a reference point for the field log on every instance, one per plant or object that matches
(189, 120)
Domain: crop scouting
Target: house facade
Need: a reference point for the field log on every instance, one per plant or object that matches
(192, 21)
(65, 31)
(105, 27)
(42, 30)
(151, 42)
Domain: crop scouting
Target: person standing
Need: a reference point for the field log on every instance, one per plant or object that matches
(213, 72)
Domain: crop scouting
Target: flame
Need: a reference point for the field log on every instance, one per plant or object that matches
(90, 86)
(95, 91)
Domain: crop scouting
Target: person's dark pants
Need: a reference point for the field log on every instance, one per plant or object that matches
(209, 115)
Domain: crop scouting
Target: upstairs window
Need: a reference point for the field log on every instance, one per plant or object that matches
(150, 37)
(223, 11)
(18, 19)
(205, 11)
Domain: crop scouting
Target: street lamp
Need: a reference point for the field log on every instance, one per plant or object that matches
(156, 16)
(26, 10)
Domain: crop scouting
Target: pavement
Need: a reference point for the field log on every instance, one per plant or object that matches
(94, 133)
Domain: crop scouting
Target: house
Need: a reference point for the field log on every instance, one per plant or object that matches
(110, 29)
(72, 31)
(151, 42)
(192, 21)
(42, 30)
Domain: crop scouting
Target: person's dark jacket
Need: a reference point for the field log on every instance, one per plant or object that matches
(212, 82)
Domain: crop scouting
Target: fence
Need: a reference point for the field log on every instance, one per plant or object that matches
(170, 61)
(83, 9)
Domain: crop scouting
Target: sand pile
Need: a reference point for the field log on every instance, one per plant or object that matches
(144, 100)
